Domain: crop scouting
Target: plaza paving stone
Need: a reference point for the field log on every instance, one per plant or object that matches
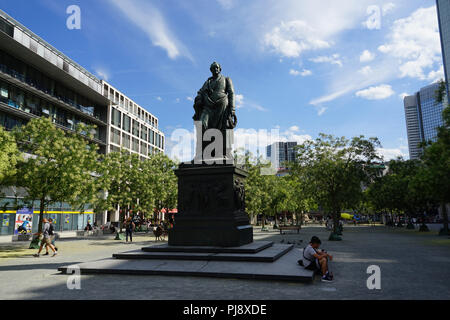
(413, 266)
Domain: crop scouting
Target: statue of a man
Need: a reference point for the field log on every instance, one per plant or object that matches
(214, 104)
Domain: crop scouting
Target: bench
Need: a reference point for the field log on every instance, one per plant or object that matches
(281, 228)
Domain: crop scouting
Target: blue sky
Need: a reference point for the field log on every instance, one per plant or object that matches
(304, 67)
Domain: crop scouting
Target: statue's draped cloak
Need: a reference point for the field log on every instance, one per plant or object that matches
(213, 99)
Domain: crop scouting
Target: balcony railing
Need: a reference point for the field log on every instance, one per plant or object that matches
(89, 110)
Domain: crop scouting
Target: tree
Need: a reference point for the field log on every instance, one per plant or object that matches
(436, 171)
(335, 169)
(399, 190)
(436, 158)
(165, 183)
(298, 199)
(8, 154)
(59, 166)
(127, 183)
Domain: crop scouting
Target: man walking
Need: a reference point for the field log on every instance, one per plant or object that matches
(52, 236)
(129, 228)
(46, 239)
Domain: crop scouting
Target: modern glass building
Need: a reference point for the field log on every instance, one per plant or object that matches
(37, 80)
(423, 116)
(281, 152)
(443, 10)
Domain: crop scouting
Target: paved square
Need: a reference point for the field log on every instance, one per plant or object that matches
(413, 266)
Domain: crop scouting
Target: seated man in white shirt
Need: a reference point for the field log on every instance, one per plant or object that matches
(316, 260)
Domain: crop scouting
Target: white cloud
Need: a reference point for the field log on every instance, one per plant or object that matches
(189, 99)
(306, 73)
(294, 129)
(367, 70)
(391, 154)
(303, 73)
(387, 8)
(102, 73)
(403, 95)
(150, 20)
(414, 41)
(159, 98)
(291, 39)
(437, 75)
(241, 103)
(376, 93)
(366, 56)
(333, 59)
(413, 45)
(239, 100)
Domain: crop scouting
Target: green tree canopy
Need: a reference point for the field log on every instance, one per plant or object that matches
(58, 166)
(335, 169)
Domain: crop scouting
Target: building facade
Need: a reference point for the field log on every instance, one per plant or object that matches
(131, 127)
(37, 80)
(281, 152)
(443, 10)
(423, 116)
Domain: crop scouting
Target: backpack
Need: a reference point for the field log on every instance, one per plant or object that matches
(50, 230)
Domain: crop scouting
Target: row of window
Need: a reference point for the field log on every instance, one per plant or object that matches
(33, 77)
(145, 150)
(129, 106)
(131, 143)
(30, 103)
(123, 121)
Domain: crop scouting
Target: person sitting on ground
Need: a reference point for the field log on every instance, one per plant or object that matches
(316, 260)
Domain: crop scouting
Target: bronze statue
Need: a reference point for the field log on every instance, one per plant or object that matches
(214, 104)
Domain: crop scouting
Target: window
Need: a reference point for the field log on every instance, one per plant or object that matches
(126, 123)
(151, 137)
(115, 136)
(135, 145)
(6, 27)
(116, 117)
(144, 148)
(143, 133)
(125, 141)
(136, 128)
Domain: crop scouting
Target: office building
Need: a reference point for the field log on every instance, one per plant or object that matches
(443, 10)
(37, 80)
(423, 116)
(280, 153)
(131, 127)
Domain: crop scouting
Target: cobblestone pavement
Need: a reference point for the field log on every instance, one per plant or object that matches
(413, 266)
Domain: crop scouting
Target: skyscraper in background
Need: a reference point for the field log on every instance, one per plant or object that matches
(443, 10)
(423, 116)
(281, 152)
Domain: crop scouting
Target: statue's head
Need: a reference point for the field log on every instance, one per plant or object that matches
(215, 68)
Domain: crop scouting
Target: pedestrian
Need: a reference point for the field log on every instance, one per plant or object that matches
(52, 237)
(46, 240)
(129, 228)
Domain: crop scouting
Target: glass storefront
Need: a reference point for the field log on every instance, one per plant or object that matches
(64, 217)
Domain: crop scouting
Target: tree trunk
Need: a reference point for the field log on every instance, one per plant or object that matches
(445, 217)
(41, 214)
(336, 221)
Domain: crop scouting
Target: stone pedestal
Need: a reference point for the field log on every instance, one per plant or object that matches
(211, 207)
